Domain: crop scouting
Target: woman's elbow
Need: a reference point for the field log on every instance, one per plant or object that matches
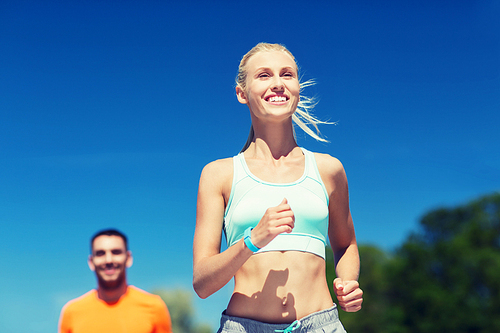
(200, 288)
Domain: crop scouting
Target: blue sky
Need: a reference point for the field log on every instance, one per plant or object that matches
(110, 109)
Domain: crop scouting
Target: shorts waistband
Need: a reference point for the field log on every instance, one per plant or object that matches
(306, 324)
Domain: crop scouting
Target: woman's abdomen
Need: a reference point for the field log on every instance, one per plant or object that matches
(280, 287)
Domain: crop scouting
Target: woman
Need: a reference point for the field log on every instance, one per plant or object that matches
(277, 203)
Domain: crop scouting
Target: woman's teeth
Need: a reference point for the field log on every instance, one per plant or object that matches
(277, 99)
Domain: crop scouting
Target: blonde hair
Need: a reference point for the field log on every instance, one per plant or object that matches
(302, 116)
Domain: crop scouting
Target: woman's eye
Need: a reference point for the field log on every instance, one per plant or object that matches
(264, 75)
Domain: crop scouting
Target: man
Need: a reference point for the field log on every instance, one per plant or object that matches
(115, 306)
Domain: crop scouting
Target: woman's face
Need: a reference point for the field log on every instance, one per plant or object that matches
(272, 86)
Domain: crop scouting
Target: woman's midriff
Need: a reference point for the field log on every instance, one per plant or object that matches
(280, 287)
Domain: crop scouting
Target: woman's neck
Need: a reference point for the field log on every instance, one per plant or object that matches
(276, 140)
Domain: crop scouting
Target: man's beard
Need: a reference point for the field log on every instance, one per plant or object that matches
(111, 285)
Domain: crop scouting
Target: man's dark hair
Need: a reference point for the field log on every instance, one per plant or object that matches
(108, 232)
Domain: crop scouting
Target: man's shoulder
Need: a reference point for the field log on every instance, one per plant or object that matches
(153, 304)
(81, 301)
(143, 295)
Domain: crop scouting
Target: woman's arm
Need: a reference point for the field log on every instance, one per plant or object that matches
(342, 236)
(211, 268)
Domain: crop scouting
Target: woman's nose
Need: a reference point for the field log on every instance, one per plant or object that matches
(277, 84)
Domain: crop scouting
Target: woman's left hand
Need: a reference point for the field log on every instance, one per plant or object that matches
(348, 293)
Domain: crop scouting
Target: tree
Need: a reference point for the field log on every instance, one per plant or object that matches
(444, 278)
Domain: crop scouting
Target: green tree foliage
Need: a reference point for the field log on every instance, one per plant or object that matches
(444, 278)
(179, 304)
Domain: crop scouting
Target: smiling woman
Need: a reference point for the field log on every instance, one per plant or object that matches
(277, 204)
(302, 116)
(273, 83)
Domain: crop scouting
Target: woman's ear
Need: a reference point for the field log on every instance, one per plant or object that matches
(240, 94)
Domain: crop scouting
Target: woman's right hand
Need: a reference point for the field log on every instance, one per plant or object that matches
(276, 220)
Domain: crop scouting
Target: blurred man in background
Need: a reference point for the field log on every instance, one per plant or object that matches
(114, 306)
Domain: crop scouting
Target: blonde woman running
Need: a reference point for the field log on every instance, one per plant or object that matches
(277, 204)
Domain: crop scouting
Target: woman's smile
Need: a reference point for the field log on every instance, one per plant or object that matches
(277, 99)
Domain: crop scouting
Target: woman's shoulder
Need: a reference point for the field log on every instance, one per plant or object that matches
(219, 166)
(328, 164)
(331, 171)
(219, 171)
(217, 177)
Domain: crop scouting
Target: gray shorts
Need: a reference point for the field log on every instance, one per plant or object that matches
(324, 321)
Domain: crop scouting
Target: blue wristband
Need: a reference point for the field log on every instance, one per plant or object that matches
(247, 238)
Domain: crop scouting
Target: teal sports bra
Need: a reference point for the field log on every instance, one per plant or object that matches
(250, 197)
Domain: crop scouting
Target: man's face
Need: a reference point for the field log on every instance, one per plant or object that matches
(109, 260)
